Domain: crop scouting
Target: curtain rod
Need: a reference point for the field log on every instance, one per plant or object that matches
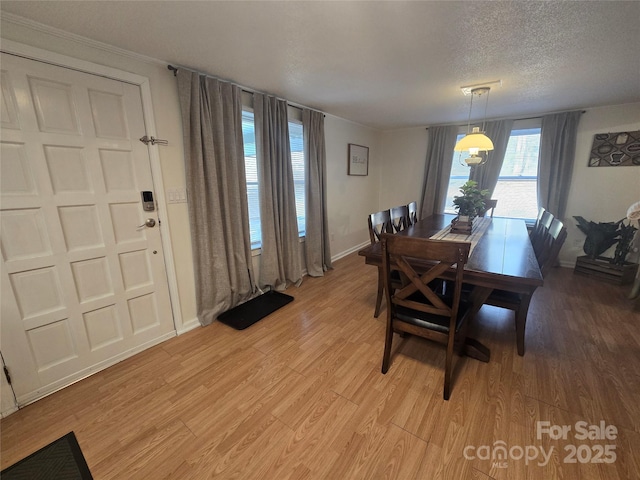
(244, 89)
(510, 118)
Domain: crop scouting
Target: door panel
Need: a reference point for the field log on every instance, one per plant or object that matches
(83, 284)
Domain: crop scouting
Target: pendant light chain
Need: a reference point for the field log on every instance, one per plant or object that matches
(469, 118)
(484, 120)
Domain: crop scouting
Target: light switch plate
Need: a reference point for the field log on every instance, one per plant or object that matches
(176, 195)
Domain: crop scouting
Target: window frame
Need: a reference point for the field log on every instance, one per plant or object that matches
(518, 125)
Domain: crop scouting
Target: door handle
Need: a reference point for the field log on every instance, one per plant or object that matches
(149, 222)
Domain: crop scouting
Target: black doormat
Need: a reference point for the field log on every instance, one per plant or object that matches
(248, 313)
(60, 460)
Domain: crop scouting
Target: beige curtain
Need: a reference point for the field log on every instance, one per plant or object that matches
(487, 175)
(280, 260)
(437, 169)
(316, 245)
(555, 165)
(218, 212)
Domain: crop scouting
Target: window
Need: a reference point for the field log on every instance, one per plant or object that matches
(516, 190)
(296, 143)
(251, 172)
(459, 175)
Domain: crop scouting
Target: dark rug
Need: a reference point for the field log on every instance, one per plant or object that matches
(250, 312)
(60, 460)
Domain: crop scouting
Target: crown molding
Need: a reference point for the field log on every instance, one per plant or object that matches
(79, 39)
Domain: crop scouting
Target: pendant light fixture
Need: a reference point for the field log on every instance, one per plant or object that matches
(475, 141)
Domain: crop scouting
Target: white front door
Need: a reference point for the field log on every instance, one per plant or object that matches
(7, 400)
(83, 280)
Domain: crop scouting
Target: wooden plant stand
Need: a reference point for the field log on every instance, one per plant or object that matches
(602, 269)
(458, 226)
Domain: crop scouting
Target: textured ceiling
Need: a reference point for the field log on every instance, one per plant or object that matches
(384, 64)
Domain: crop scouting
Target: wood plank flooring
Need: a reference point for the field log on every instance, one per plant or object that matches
(300, 394)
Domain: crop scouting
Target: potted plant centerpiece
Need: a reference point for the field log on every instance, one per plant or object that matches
(468, 205)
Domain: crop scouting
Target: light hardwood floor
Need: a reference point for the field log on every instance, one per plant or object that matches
(300, 394)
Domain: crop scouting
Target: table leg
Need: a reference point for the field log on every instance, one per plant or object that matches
(478, 296)
(521, 321)
(472, 347)
(380, 293)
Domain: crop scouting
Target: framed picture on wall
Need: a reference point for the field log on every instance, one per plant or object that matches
(358, 160)
(615, 149)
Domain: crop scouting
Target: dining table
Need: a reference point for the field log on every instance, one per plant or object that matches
(501, 258)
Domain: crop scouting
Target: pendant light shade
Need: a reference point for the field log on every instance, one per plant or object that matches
(475, 141)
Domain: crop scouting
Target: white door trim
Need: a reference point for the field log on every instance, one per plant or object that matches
(53, 58)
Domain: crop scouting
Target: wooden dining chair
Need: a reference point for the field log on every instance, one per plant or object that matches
(399, 217)
(413, 213)
(555, 237)
(417, 308)
(541, 211)
(490, 204)
(535, 229)
(380, 223)
(540, 233)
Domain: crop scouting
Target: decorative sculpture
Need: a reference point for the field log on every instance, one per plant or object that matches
(602, 236)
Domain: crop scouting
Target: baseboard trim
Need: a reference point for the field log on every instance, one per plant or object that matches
(87, 372)
(189, 325)
(8, 412)
(349, 251)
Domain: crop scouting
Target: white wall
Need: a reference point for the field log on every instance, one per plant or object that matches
(600, 194)
(350, 199)
(403, 157)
